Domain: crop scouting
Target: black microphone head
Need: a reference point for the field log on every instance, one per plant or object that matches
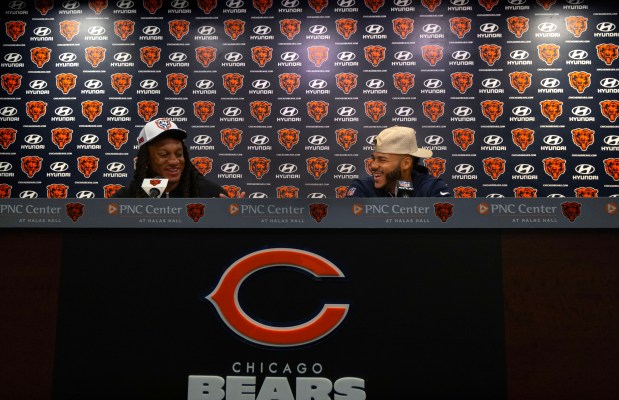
(404, 189)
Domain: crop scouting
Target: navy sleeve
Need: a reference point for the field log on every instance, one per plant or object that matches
(356, 189)
(439, 189)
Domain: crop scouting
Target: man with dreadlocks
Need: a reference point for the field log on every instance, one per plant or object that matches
(162, 153)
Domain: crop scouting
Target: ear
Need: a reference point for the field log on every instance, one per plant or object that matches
(406, 163)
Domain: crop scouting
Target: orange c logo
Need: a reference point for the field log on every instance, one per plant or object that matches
(225, 299)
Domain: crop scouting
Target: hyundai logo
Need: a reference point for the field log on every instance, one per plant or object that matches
(67, 57)
(232, 111)
(5, 166)
(28, 194)
(63, 111)
(403, 56)
(489, 28)
(553, 140)
(262, 30)
(179, 3)
(404, 111)
(464, 169)
(495, 196)
(33, 139)
(460, 55)
(316, 195)
(345, 3)
(202, 140)
(288, 111)
(288, 168)
(258, 195)
(230, 168)
(550, 82)
(612, 140)
(122, 57)
(459, 3)
(491, 83)
(289, 56)
(85, 194)
(519, 55)
(116, 167)
(521, 111)
(119, 111)
(584, 169)
(259, 140)
(402, 3)
(318, 84)
(346, 168)
(431, 28)
(89, 139)
(346, 56)
(524, 169)
(578, 54)
(17, 5)
(432, 83)
(42, 31)
(375, 83)
(177, 57)
(124, 5)
(205, 84)
(574, 2)
(317, 140)
(374, 29)
(606, 27)
(261, 84)
(318, 29)
(96, 30)
(346, 111)
(206, 30)
(463, 111)
(493, 140)
(371, 140)
(149, 84)
(234, 3)
(233, 57)
(434, 140)
(555, 196)
(13, 57)
(609, 83)
(38, 84)
(581, 111)
(93, 84)
(175, 111)
(151, 30)
(547, 27)
(290, 3)
(8, 111)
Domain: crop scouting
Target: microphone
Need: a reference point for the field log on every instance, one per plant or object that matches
(154, 187)
(404, 189)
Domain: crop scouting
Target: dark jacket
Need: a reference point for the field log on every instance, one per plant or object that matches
(206, 188)
(424, 185)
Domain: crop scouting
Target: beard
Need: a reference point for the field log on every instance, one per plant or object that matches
(391, 178)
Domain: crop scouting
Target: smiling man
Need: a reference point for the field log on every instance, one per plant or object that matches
(395, 165)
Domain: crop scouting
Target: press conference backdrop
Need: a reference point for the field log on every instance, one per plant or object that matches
(516, 98)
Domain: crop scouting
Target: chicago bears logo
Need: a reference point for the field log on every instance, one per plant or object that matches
(204, 165)
(290, 27)
(403, 81)
(232, 191)
(432, 53)
(551, 109)
(375, 109)
(57, 191)
(465, 192)
(463, 137)
(61, 137)
(7, 137)
(121, 82)
(461, 81)
(610, 109)
(40, 55)
(177, 82)
(260, 110)
(611, 166)
(490, 53)
(11, 82)
(124, 28)
(571, 210)
(97, 5)
(583, 137)
(488, 4)
(43, 6)
(431, 5)
(75, 211)
(522, 137)
(288, 137)
(494, 167)
(576, 25)
(317, 109)
(150, 55)
(580, 80)
(152, 5)
(231, 137)
(5, 191)
(259, 166)
(492, 109)
(374, 5)
(178, 28)
(94, 55)
(87, 165)
(554, 167)
(31, 165)
(460, 26)
(36, 109)
(69, 29)
(546, 4)
(433, 109)
(374, 54)
(207, 5)
(518, 25)
(346, 81)
(261, 55)
(520, 80)
(317, 166)
(110, 189)
(65, 82)
(346, 27)
(203, 109)
(346, 137)
(147, 109)
(318, 211)
(195, 211)
(548, 52)
(318, 5)
(586, 192)
(340, 192)
(368, 165)
(234, 28)
(403, 26)
(287, 192)
(289, 82)
(435, 165)
(117, 137)
(262, 5)
(607, 52)
(91, 109)
(525, 192)
(206, 55)
(318, 54)
(233, 82)
(443, 211)
(15, 29)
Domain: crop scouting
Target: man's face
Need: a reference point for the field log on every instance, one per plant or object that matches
(167, 160)
(386, 170)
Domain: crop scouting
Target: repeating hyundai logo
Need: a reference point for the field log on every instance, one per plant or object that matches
(151, 30)
(149, 84)
(318, 84)
(404, 111)
(317, 140)
(289, 56)
(521, 111)
(258, 195)
(116, 167)
(493, 140)
(346, 56)
(609, 83)
(63, 111)
(17, 5)
(581, 111)
(316, 196)
(13, 57)
(261, 84)
(553, 140)
(606, 27)
(175, 111)
(124, 4)
(38, 84)
(371, 140)
(460, 55)
(85, 194)
(33, 139)
(93, 84)
(202, 140)
(555, 196)
(233, 56)
(59, 166)
(179, 3)
(5, 166)
(495, 196)
(433, 83)
(491, 83)
(96, 30)
(119, 111)
(259, 140)
(177, 57)
(612, 140)
(489, 28)
(584, 169)
(288, 168)
(345, 3)
(122, 57)
(42, 31)
(524, 169)
(574, 2)
(8, 111)
(578, 54)
(89, 138)
(464, 169)
(67, 57)
(431, 28)
(28, 194)
(346, 111)
(230, 168)
(459, 2)
(374, 29)
(288, 111)
(547, 27)
(262, 30)
(550, 82)
(463, 111)
(346, 168)
(232, 111)
(318, 29)
(434, 140)
(205, 84)
(402, 3)
(208, 30)
(235, 3)
(403, 56)
(375, 83)
(519, 55)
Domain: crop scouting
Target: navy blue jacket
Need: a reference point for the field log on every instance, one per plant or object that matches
(424, 185)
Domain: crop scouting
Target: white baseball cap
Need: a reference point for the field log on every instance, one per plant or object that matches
(399, 140)
(158, 127)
